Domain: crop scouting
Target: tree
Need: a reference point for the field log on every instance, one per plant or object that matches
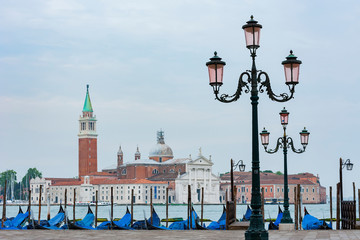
(8, 175)
(279, 173)
(267, 171)
(31, 173)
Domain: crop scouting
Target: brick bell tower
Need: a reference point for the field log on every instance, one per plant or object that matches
(87, 139)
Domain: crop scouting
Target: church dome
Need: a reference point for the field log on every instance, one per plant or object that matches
(161, 149)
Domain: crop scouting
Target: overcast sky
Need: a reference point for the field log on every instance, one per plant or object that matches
(145, 64)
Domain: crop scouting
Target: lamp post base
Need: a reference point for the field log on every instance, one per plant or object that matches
(286, 227)
(256, 235)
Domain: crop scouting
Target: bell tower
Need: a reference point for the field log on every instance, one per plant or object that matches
(87, 139)
(120, 157)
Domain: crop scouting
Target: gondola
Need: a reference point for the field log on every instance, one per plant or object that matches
(183, 225)
(153, 223)
(85, 224)
(219, 224)
(312, 223)
(17, 222)
(122, 224)
(52, 224)
(247, 215)
(275, 225)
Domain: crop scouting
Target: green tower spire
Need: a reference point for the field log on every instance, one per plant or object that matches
(87, 104)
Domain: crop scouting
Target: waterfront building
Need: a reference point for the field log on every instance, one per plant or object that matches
(177, 172)
(86, 188)
(273, 184)
(160, 170)
(198, 175)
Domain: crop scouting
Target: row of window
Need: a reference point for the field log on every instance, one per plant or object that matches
(278, 189)
(155, 171)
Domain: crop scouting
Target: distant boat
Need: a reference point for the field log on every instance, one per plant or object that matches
(99, 204)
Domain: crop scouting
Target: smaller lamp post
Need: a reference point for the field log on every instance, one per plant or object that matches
(241, 166)
(285, 142)
(349, 166)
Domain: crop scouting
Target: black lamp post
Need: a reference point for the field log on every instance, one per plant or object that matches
(285, 142)
(258, 81)
(349, 166)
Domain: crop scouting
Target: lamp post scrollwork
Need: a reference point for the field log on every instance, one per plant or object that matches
(254, 81)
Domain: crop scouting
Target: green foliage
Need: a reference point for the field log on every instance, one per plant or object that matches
(279, 173)
(8, 175)
(31, 173)
(267, 171)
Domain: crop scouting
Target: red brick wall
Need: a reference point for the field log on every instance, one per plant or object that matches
(163, 159)
(87, 156)
(145, 171)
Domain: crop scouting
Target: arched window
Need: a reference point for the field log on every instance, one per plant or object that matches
(171, 170)
(123, 172)
(155, 171)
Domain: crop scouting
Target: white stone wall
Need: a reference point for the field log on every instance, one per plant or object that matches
(35, 189)
(86, 192)
(198, 175)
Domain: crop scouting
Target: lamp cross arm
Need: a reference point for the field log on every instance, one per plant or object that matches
(225, 98)
(279, 144)
(283, 97)
(290, 144)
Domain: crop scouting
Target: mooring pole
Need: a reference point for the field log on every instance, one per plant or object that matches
(167, 206)
(330, 205)
(48, 204)
(354, 192)
(74, 203)
(65, 198)
(190, 207)
(262, 203)
(299, 202)
(202, 205)
(296, 213)
(4, 206)
(29, 218)
(338, 206)
(151, 205)
(132, 206)
(112, 203)
(96, 207)
(40, 188)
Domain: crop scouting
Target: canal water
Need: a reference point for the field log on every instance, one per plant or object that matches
(212, 212)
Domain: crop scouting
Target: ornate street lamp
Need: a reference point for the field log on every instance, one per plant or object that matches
(241, 166)
(349, 166)
(254, 81)
(285, 142)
